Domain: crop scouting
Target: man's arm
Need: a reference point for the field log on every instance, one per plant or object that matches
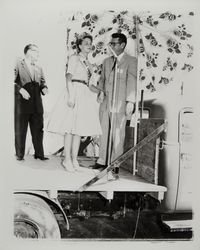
(101, 85)
(131, 81)
(131, 86)
(18, 87)
(43, 86)
(16, 78)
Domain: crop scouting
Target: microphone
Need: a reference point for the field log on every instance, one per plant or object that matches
(112, 51)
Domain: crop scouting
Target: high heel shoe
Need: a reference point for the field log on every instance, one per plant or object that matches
(68, 166)
(76, 165)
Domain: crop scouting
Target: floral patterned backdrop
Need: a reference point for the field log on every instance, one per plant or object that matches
(161, 42)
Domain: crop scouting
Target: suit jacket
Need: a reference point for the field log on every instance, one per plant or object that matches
(125, 84)
(33, 84)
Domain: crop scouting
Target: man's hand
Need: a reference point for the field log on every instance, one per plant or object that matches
(45, 91)
(129, 108)
(100, 97)
(96, 140)
(24, 94)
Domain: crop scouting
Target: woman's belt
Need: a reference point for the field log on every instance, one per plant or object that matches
(81, 81)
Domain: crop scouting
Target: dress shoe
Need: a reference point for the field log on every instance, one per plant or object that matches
(115, 171)
(99, 166)
(42, 158)
(20, 158)
(113, 174)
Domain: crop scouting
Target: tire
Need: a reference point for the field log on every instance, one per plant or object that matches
(33, 218)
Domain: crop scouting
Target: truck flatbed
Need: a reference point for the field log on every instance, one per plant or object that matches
(49, 175)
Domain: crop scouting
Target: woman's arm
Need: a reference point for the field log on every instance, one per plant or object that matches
(68, 82)
(70, 91)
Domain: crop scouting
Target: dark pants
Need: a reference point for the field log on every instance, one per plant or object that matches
(35, 121)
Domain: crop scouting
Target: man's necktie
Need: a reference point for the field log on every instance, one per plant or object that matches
(114, 63)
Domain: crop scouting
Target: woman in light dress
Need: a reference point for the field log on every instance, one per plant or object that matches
(75, 113)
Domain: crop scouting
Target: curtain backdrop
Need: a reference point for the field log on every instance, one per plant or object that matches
(161, 42)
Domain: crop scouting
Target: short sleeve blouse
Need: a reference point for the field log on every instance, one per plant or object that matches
(76, 68)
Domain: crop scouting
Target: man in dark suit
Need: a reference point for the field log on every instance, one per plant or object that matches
(29, 85)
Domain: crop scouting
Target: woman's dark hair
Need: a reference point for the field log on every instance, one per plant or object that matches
(80, 40)
(29, 46)
(121, 37)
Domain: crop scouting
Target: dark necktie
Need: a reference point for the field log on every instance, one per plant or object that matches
(114, 63)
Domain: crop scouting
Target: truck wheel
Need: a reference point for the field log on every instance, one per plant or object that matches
(33, 218)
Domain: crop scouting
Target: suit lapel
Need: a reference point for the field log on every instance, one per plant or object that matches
(123, 59)
(26, 69)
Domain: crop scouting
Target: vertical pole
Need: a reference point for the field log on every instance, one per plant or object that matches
(141, 103)
(156, 161)
(136, 101)
(112, 113)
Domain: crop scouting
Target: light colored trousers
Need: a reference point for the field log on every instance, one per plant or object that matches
(117, 142)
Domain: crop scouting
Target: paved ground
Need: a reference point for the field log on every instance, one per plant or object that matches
(91, 217)
(122, 228)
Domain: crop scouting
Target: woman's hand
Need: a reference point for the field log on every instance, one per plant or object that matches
(70, 102)
(93, 89)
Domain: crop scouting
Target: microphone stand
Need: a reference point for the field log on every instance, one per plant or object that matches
(113, 109)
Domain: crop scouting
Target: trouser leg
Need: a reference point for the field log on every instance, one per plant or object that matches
(21, 125)
(103, 144)
(118, 136)
(36, 127)
(117, 140)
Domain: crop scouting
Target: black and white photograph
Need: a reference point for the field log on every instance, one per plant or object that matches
(100, 105)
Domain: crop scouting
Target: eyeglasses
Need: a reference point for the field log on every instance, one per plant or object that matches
(34, 50)
(114, 44)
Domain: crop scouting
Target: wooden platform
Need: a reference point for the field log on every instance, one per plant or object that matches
(34, 174)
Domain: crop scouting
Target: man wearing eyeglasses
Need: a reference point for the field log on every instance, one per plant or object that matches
(29, 86)
(121, 70)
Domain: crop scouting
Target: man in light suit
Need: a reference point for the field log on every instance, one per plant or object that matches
(124, 98)
(29, 85)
